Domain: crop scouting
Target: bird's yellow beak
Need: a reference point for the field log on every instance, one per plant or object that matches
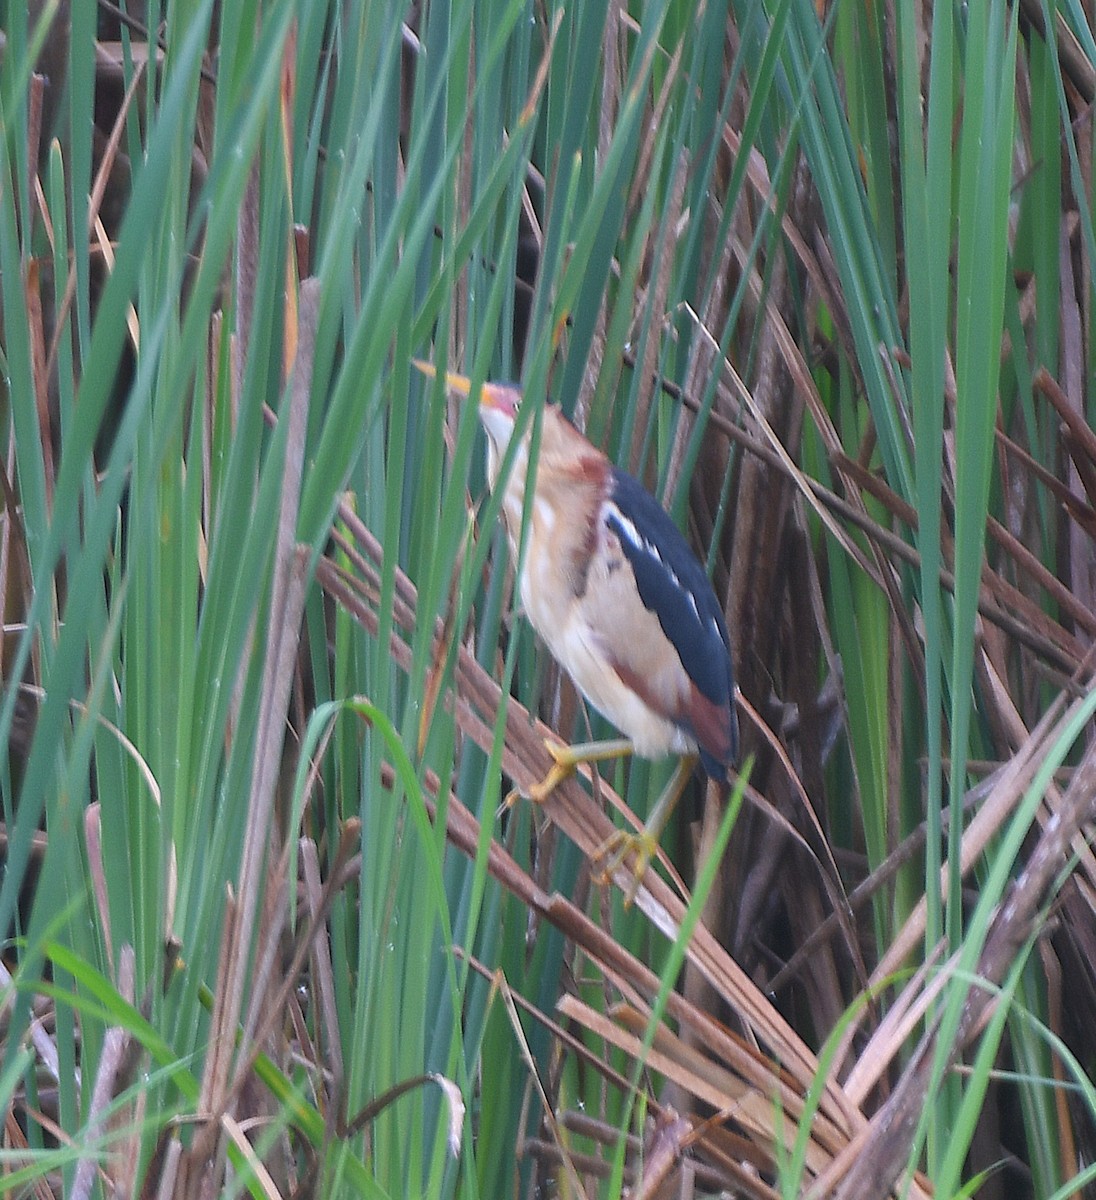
(460, 384)
(499, 396)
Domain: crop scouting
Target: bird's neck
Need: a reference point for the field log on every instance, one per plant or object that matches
(514, 496)
(571, 479)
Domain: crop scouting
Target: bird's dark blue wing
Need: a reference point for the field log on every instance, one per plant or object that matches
(673, 585)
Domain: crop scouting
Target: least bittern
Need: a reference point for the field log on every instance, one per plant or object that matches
(610, 584)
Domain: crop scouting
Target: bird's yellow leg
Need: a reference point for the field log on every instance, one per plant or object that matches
(644, 845)
(567, 758)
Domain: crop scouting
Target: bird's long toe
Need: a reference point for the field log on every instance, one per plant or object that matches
(617, 849)
(563, 766)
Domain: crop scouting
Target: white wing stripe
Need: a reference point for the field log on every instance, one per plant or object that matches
(628, 528)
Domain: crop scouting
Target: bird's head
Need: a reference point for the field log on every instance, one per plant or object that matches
(498, 407)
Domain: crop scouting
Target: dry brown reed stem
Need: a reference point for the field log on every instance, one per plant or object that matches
(1016, 921)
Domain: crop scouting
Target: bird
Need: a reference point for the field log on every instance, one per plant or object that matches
(611, 586)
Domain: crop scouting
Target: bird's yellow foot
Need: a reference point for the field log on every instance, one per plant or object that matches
(617, 848)
(563, 766)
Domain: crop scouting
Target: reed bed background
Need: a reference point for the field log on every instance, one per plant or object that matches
(821, 275)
